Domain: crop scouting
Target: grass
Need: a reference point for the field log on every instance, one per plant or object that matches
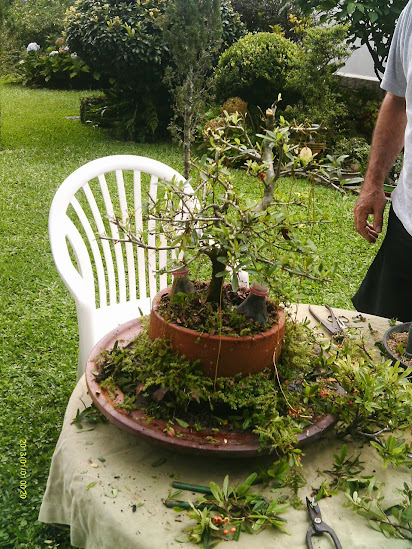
(38, 331)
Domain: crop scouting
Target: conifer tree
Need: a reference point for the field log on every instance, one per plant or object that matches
(193, 34)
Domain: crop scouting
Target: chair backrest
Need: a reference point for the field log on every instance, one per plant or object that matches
(111, 281)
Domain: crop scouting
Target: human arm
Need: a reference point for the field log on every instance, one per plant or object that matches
(387, 142)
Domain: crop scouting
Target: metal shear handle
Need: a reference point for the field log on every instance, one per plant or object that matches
(318, 527)
(334, 327)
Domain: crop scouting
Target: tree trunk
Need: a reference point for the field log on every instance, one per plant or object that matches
(267, 157)
(187, 124)
(216, 283)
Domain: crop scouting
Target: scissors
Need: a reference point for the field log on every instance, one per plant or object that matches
(336, 324)
(318, 527)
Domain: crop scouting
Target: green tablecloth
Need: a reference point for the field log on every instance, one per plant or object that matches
(80, 485)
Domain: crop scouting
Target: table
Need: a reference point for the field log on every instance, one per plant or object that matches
(89, 467)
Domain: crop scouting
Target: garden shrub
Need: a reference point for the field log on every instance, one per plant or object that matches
(256, 69)
(263, 15)
(233, 105)
(313, 80)
(36, 20)
(124, 40)
(356, 149)
(54, 67)
(92, 108)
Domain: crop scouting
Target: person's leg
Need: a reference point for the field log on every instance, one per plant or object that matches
(386, 289)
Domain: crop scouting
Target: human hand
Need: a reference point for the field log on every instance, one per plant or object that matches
(370, 202)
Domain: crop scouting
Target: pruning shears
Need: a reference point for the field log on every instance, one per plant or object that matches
(335, 324)
(318, 527)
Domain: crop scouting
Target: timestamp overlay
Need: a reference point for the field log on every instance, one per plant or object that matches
(23, 468)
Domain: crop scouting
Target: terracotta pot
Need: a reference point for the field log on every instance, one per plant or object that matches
(223, 356)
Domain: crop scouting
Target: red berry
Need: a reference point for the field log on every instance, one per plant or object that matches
(233, 529)
(351, 403)
(262, 176)
(225, 531)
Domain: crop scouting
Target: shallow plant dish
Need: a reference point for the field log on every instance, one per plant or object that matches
(399, 328)
(223, 444)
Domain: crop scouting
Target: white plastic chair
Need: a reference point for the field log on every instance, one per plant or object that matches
(101, 274)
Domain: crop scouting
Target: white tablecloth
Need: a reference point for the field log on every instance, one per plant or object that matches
(89, 466)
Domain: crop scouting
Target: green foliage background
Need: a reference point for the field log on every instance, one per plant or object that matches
(371, 21)
(256, 68)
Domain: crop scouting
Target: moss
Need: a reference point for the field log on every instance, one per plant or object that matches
(192, 311)
(167, 386)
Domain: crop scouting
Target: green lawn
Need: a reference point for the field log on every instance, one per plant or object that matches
(41, 146)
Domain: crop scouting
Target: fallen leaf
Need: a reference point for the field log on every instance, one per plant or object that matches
(92, 464)
(160, 394)
(182, 423)
(159, 462)
(169, 431)
(112, 494)
(140, 388)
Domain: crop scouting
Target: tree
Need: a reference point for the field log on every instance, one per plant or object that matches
(371, 21)
(193, 35)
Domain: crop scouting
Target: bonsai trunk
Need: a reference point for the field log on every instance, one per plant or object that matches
(267, 157)
(216, 282)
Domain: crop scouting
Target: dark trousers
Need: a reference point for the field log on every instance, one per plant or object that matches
(387, 287)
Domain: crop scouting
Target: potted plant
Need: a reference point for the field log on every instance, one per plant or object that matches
(235, 234)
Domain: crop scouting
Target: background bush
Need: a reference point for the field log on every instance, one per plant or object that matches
(35, 20)
(313, 79)
(262, 15)
(25, 21)
(124, 42)
(256, 69)
(55, 67)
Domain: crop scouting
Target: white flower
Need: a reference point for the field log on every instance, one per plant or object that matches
(33, 46)
(73, 55)
(66, 48)
(54, 52)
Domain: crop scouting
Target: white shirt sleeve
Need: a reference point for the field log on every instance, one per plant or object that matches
(395, 77)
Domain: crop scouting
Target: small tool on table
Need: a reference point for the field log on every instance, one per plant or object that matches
(336, 324)
(191, 488)
(318, 527)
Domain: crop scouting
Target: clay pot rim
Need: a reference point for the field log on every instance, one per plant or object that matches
(231, 444)
(264, 335)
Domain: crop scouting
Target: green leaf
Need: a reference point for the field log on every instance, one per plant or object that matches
(225, 486)
(216, 491)
(373, 16)
(351, 8)
(182, 423)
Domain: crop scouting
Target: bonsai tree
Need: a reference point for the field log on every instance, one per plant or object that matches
(232, 231)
